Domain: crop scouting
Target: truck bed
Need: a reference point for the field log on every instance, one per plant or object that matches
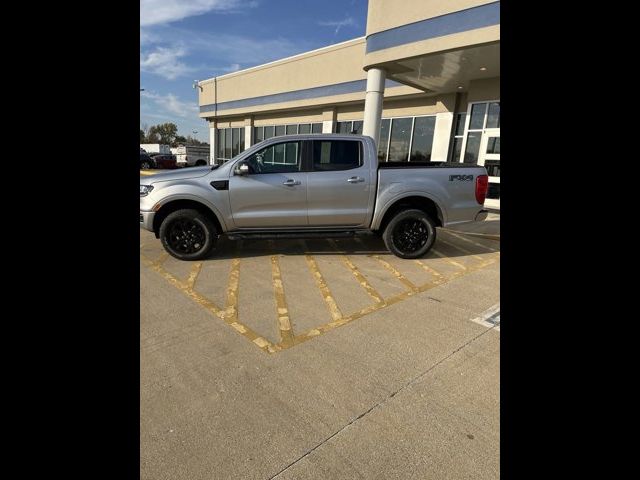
(387, 165)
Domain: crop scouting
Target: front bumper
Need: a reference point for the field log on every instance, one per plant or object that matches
(481, 215)
(146, 220)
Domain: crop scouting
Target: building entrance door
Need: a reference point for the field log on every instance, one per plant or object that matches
(489, 156)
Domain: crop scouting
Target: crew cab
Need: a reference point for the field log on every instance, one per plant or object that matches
(311, 185)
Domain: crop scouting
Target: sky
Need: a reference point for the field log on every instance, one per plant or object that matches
(186, 40)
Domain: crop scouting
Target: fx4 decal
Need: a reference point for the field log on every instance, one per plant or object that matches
(462, 178)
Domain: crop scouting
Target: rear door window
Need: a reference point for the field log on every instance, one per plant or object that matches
(330, 155)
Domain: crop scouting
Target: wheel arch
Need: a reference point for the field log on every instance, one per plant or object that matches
(180, 203)
(420, 202)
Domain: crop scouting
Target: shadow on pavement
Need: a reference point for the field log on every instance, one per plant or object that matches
(446, 243)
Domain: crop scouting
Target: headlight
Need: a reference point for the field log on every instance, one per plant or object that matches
(145, 190)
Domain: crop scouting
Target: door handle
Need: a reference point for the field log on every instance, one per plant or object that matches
(355, 179)
(290, 182)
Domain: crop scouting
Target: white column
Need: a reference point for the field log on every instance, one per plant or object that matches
(373, 103)
(247, 136)
(329, 116)
(212, 143)
(441, 137)
(248, 130)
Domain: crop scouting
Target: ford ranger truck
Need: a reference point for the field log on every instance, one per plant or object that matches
(316, 185)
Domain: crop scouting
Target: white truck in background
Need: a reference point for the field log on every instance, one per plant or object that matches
(156, 148)
(192, 155)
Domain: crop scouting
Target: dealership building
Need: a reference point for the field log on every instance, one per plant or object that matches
(424, 82)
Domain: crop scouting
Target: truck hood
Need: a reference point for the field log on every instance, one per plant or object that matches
(182, 174)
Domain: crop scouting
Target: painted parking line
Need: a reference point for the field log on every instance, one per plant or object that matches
(474, 259)
(490, 318)
(368, 288)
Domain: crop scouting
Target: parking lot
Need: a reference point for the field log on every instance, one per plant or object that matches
(322, 359)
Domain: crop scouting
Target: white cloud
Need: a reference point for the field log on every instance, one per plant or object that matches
(172, 104)
(346, 22)
(164, 62)
(155, 12)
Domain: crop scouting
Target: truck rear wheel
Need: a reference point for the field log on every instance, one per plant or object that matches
(188, 234)
(410, 234)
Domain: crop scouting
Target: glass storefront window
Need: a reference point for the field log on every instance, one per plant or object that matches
(258, 134)
(457, 149)
(304, 128)
(493, 145)
(473, 147)
(400, 139)
(241, 130)
(316, 128)
(220, 138)
(422, 139)
(235, 141)
(227, 143)
(357, 127)
(493, 167)
(493, 115)
(292, 129)
(477, 116)
(268, 132)
(384, 140)
(343, 127)
(280, 130)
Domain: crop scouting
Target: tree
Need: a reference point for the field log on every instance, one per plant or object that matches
(165, 132)
(142, 136)
(179, 140)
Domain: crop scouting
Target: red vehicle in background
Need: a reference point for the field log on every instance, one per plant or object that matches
(165, 161)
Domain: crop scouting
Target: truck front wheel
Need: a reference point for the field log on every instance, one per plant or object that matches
(188, 234)
(410, 234)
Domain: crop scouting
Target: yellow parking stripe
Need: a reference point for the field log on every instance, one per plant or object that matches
(230, 313)
(448, 260)
(462, 249)
(359, 277)
(460, 237)
(203, 301)
(404, 280)
(284, 322)
(193, 275)
(439, 278)
(334, 310)
(231, 305)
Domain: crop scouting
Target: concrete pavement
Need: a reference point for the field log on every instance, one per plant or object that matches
(407, 389)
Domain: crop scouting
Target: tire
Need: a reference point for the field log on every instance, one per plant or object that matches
(202, 234)
(410, 234)
(145, 165)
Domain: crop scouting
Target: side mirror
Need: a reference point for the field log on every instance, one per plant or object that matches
(241, 169)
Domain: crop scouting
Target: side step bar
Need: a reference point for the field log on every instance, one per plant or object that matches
(289, 235)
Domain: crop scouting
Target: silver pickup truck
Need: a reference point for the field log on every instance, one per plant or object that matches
(311, 185)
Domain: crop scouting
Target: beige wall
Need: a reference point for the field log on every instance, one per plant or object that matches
(329, 101)
(432, 46)
(485, 89)
(387, 14)
(336, 64)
